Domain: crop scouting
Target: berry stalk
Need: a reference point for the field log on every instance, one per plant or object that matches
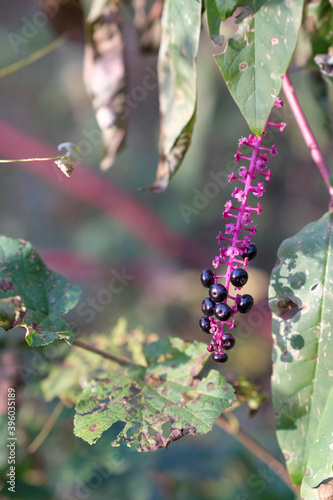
(236, 249)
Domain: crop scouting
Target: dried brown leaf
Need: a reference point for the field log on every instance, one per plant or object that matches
(148, 24)
(104, 74)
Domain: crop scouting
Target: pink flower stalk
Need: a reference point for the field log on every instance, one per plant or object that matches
(236, 245)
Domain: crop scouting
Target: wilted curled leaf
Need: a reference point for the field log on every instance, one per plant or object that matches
(148, 24)
(104, 74)
(169, 163)
(177, 60)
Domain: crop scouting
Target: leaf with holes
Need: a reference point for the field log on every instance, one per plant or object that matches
(158, 402)
(257, 56)
(177, 75)
(32, 296)
(301, 298)
(68, 377)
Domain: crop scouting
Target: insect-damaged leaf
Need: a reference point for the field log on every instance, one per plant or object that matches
(159, 402)
(32, 296)
(67, 379)
(301, 292)
(181, 22)
(104, 74)
(257, 56)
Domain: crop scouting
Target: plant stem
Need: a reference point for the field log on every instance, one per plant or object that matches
(96, 191)
(259, 452)
(112, 357)
(33, 57)
(31, 159)
(40, 438)
(308, 136)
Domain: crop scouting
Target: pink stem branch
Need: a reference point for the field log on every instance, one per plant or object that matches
(308, 136)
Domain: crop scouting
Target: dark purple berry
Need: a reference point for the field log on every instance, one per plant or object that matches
(207, 278)
(239, 277)
(207, 306)
(222, 312)
(251, 252)
(218, 292)
(245, 303)
(228, 341)
(220, 358)
(205, 324)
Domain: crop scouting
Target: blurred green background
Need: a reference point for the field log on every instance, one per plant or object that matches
(47, 100)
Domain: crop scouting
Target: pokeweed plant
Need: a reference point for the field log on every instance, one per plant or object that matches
(157, 390)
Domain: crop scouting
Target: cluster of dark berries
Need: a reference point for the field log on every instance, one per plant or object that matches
(236, 249)
(216, 305)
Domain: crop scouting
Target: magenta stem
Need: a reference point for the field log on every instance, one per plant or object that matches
(243, 206)
(308, 136)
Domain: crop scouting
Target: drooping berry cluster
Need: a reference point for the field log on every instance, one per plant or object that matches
(236, 247)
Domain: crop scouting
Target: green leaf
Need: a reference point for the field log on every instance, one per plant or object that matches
(39, 295)
(222, 9)
(258, 55)
(158, 403)
(181, 24)
(301, 292)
